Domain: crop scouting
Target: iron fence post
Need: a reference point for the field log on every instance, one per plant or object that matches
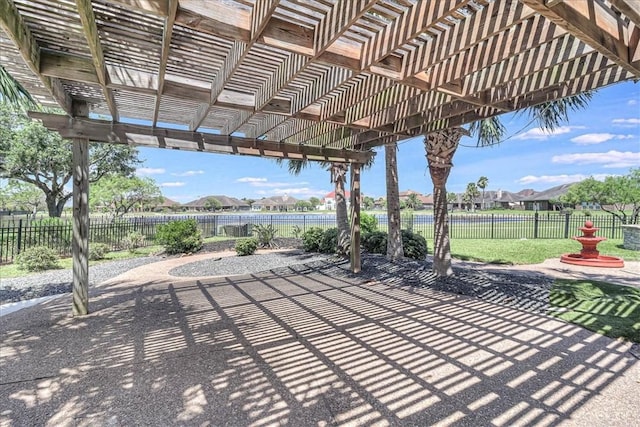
(19, 237)
(492, 218)
(566, 225)
(535, 225)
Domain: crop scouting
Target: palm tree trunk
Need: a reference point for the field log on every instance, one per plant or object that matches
(338, 176)
(440, 147)
(394, 238)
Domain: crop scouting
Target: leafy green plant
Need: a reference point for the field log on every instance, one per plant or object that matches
(266, 234)
(98, 251)
(37, 258)
(406, 219)
(415, 246)
(246, 246)
(311, 239)
(297, 231)
(375, 242)
(368, 223)
(133, 241)
(180, 236)
(329, 241)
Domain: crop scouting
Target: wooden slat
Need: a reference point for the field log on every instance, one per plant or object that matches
(120, 133)
(594, 24)
(167, 32)
(90, 28)
(13, 25)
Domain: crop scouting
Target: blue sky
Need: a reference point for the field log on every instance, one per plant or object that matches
(602, 140)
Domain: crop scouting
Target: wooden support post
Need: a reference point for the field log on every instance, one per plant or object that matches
(355, 217)
(80, 246)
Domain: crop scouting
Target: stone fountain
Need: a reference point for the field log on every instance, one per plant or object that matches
(589, 255)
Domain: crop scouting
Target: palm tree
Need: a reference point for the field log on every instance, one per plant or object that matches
(12, 92)
(470, 194)
(442, 145)
(395, 249)
(412, 201)
(482, 183)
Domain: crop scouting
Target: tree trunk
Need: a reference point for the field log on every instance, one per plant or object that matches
(440, 147)
(395, 250)
(338, 176)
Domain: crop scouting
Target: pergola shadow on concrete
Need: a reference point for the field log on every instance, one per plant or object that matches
(318, 79)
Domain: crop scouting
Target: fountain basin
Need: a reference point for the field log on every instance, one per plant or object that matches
(599, 261)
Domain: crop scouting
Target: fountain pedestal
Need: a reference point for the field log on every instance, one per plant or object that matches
(589, 255)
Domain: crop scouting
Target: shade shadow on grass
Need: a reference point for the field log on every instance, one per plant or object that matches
(612, 310)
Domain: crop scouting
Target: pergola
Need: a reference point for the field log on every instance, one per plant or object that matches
(300, 79)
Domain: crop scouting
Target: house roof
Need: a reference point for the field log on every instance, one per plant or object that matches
(225, 201)
(299, 78)
(549, 194)
(332, 195)
(166, 202)
(276, 201)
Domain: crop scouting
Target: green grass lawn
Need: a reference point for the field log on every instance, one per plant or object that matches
(611, 310)
(528, 251)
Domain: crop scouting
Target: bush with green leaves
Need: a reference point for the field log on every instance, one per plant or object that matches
(375, 242)
(311, 239)
(415, 245)
(329, 241)
(297, 231)
(265, 235)
(180, 236)
(246, 246)
(98, 251)
(133, 241)
(368, 223)
(37, 258)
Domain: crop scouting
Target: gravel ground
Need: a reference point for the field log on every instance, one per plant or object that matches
(524, 290)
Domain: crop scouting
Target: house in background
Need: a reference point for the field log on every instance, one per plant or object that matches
(168, 205)
(546, 200)
(275, 204)
(425, 201)
(204, 204)
(328, 202)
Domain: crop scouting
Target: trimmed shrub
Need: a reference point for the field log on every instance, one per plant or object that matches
(329, 241)
(133, 241)
(180, 236)
(375, 242)
(266, 234)
(37, 258)
(98, 251)
(311, 239)
(368, 223)
(415, 246)
(246, 246)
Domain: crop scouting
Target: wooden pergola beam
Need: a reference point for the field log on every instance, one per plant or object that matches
(13, 25)
(121, 133)
(594, 24)
(167, 32)
(90, 29)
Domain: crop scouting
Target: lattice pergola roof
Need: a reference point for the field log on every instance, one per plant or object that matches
(322, 79)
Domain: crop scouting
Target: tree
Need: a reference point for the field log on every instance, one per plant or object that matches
(452, 199)
(368, 203)
(615, 195)
(303, 205)
(21, 195)
(30, 153)
(395, 249)
(482, 183)
(413, 202)
(470, 194)
(315, 202)
(120, 194)
(441, 146)
(212, 204)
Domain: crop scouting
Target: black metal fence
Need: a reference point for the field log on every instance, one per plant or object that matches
(16, 235)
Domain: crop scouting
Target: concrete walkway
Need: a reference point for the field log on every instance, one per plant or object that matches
(303, 350)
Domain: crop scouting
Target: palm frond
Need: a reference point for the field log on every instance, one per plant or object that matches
(13, 93)
(489, 131)
(549, 115)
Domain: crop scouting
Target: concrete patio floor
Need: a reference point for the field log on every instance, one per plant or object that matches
(304, 350)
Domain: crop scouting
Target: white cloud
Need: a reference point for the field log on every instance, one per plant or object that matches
(172, 184)
(557, 179)
(150, 171)
(632, 102)
(610, 159)
(626, 122)
(542, 134)
(251, 180)
(597, 138)
(189, 173)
